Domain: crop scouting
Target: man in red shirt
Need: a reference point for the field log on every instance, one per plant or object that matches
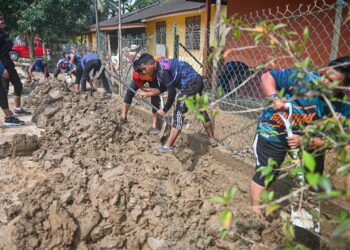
(153, 90)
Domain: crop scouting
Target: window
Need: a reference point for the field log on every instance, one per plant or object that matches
(193, 32)
(161, 33)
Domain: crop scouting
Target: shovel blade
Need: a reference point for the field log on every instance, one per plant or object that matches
(165, 129)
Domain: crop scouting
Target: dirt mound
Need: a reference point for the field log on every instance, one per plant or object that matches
(97, 184)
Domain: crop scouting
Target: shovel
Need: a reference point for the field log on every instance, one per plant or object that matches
(300, 217)
(165, 129)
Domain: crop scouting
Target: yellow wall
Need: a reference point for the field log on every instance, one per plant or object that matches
(180, 21)
(88, 43)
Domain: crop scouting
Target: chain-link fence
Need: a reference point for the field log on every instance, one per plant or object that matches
(242, 103)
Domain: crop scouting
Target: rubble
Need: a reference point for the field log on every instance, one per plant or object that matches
(97, 184)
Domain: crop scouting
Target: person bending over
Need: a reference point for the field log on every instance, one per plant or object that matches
(153, 90)
(93, 62)
(175, 74)
(271, 140)
(38, 65)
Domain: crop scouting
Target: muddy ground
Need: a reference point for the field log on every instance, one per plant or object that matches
(89, 182)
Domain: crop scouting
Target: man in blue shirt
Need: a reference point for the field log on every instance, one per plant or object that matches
(39, 65)
(271, 140)
(175, 74)
(93, 62)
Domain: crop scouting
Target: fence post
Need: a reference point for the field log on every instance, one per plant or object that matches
(176, 43)
(340, 4)
(97, 26)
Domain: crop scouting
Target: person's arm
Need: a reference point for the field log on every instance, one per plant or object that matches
(83, 63)
(148, 92)
(165, 78)
(46, 71)
(72, 57)
(30, 72)
(269, 86)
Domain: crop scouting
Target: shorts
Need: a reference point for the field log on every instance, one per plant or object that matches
(265, 149)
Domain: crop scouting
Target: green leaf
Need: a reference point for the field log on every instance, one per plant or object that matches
(225, 218)
(313, 179)
(279, 26)
(281, 92)
(200, 117)
(219, 92)
(198, 98)
(272, 208)
(342, 216)
(232, 192)
(268, 179)
(329, 195)
(306, 62)
(285, 216)
(288, 230)
(297, 170)
(309, 161)
(342, 228)
(326, 184)
(189, 104)
(205, 99)
(219, 200)
(306, 34)
(223, 233)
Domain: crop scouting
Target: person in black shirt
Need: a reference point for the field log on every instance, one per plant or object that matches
(10, 74)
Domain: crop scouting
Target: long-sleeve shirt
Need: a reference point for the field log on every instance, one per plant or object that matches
(174, 74)
(5, 48)
(88, 57)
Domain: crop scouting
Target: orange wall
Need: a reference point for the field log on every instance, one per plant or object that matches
(320, 25)
(242, 7)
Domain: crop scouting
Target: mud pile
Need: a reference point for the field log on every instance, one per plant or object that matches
(97, 184)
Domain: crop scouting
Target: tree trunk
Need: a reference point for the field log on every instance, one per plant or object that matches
(30, 41)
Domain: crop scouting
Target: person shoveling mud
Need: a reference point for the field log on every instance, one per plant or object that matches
(92, 62)
(153, 90)
(175, 74)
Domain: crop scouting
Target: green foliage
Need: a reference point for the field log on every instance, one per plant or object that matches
(331, 130)
(309, 161)
(288, 230)
(226, 215)
(49, 19)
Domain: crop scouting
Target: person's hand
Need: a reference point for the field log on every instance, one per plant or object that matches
(6, 74)
(279, 104)
(141, 94)
(294, 141)
(316, 142)
(161, 112)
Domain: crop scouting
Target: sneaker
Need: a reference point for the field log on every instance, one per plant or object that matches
(13, 121)
(165, 149)
(109, 94)
(21, 111)
(153, 131)
(213, 142)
